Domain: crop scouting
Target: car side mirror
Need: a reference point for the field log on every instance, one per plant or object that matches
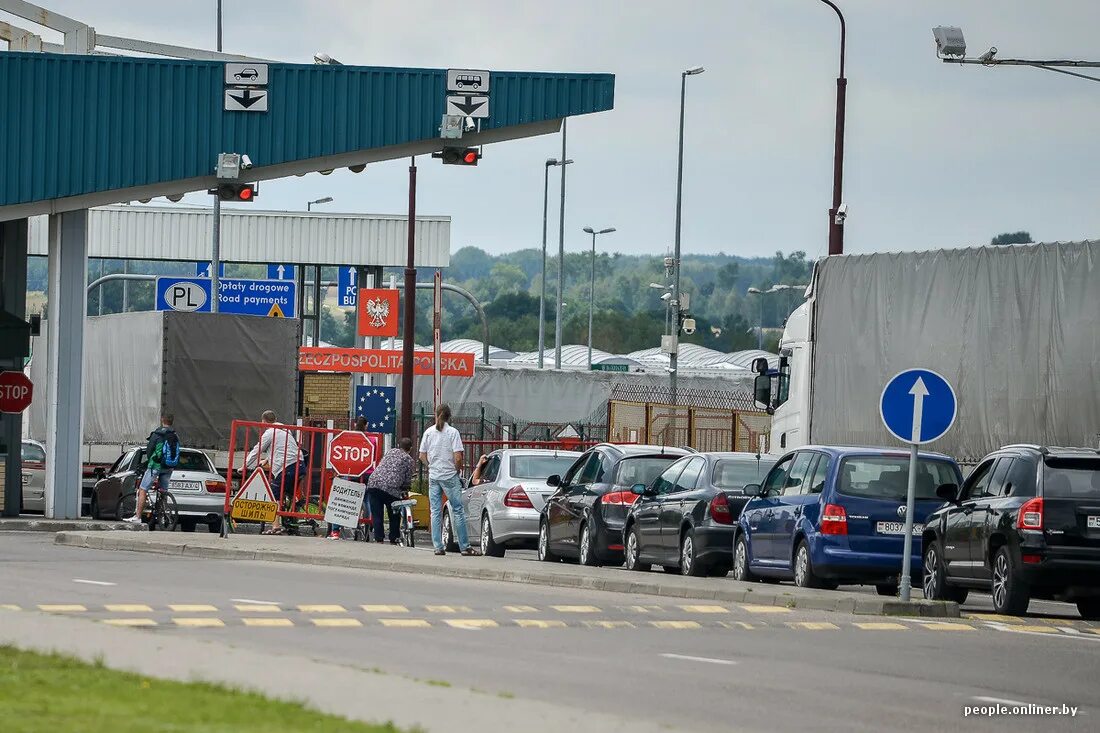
(948, 492)
(99, 473)
(638, 489)
(762, 391)
(553, 480)
(752, 490)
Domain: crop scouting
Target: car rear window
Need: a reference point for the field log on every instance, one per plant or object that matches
(189, 461)
(540, 467)
(641, 470)
(1071, 478)
(887, 477)
(737, 473)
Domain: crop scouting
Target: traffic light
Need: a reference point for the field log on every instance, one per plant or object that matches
(459, 156)
(244, 192)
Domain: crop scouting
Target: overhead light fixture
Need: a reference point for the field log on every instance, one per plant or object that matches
(357, 168)
(949, 41)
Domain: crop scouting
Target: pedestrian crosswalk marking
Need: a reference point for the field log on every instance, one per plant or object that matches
(521, 609)
(322, 608)
(448, 609)
(765, 609)
(537, 623)
(609, 624)
(945, 626)
(881, 626)
(813, 625)
(1033, 629)
(128, 608)
(9, 607)
(267, 622)
(257, 608)
(640, 609)
(575, 609)
(471, 623)
(198, 622)
(384, 609)
(704, 609)
(1000, 618)
(61, 608)
(405, 623)
(130, 621)
(192, 607)
(336, 622)
(676, 624)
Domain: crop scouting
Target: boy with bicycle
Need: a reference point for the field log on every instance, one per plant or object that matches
(162, 453)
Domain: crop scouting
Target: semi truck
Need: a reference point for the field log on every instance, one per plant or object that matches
(1015, 329)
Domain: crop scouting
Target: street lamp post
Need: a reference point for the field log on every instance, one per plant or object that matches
(592, 287)
(542, 291)
(561, 258)
(311, 204)
(676, 255)
(760, 323)
(836, 219)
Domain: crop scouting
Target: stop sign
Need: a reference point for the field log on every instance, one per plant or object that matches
(352, 453)
(15, 391)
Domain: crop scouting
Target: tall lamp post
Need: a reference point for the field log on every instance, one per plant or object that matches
(311, 204)
(592, 286)
(759, 324)
(837, 214)
(542, 292)
(676, 255)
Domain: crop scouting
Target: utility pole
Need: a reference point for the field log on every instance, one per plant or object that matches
(561, 258)
(836, 217)
(409, 336)
(216, 253)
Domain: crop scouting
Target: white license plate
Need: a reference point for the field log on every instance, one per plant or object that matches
(187, 486)
(1094, 522)
(896, 528)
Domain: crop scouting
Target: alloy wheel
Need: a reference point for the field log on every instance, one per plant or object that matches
(485, 535)
(931, 573)
(585, 548)
(446, 531)
(687, 553)
(1000, 580)
(801, 567)
(740, 562)
(631, 550)
(543, 542)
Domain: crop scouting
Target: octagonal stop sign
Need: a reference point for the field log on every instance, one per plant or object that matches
(352, 453)
(16, 391)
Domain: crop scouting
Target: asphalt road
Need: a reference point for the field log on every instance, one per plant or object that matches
(697, 666)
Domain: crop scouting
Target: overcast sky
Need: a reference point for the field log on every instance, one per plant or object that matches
(937, 155)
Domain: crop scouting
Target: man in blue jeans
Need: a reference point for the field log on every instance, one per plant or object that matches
(441, 449)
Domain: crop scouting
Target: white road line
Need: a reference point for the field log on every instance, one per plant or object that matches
(92, 582)
(1001, 700)
(1068, 630)
(258, 603)
(1073, 634)
(707, 660)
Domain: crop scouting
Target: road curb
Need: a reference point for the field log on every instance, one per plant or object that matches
(23, 524)
(717, 590)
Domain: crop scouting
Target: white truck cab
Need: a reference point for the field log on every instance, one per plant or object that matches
(791, 401)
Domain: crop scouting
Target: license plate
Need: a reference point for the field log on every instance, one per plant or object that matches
(1094, 522)
(186, 486)
(896, 528)
(27, 480)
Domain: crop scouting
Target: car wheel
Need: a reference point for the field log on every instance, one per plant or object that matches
(741, 569)
(489, 548)
(126, 506)
(447, 532)
(632, 548)
(544, 544)
(689, 563)
(94, 508)
(188, 524)
(1010, 593)
(804, 576)
(935, 585)
(890, 590)
(1089, 608)
(587, 551)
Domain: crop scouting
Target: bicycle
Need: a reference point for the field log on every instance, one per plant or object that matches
(160, 505)
(407, 525)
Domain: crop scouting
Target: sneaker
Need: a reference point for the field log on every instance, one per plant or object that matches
(441, 552)
(334, 535)
(132, 520)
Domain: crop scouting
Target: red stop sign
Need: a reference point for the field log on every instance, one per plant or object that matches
(16, 391)
(352, 453)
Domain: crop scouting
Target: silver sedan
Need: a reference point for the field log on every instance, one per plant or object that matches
(503, 510)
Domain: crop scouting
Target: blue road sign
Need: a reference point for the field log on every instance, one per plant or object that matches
(918, 406)
(378, 405)
(348, 287)
(281, 271)
(202, 269)
(242, 297)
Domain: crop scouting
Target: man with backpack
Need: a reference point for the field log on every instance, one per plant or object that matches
(162, 454)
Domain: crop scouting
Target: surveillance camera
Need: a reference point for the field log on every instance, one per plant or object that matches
(986, 57)
(246, 162)
(689, 326)
(469, 125)
(666, 296)
(841, 213)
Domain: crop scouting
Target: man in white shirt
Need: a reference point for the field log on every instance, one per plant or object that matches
(279, 454)
(441, 450)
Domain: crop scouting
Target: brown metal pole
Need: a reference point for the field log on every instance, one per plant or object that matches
(836, 230)
(410, 314)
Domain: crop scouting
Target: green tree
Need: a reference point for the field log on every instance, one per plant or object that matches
(1020, 237)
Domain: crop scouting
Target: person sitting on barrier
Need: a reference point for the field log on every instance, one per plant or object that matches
(441, 449)
(391, 481)
(278, 454)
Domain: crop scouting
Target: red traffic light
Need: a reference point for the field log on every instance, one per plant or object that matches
(237, 192)
(470, 157)
(459, 156)
(245, 194)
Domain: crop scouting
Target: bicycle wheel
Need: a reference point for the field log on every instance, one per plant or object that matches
(126, 506)
(166, 515)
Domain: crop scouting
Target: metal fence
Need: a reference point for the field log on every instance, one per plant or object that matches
(687, 425)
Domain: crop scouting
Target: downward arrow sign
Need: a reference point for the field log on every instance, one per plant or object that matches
(467, 107)
(919, 392)
(246, 99)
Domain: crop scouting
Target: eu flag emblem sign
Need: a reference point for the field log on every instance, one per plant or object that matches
(378, 405)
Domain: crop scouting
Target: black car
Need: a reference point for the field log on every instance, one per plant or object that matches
(685, 520)
(583, 519)
(1026, 523)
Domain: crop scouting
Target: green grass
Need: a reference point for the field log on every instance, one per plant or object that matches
(55, 694)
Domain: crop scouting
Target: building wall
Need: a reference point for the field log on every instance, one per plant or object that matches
(326, 394)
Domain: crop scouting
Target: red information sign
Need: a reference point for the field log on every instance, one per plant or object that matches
(381, 361)
(378, 312)
(16, 391)
(352, 453)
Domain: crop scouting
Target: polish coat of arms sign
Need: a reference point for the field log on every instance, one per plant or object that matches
(378, 310)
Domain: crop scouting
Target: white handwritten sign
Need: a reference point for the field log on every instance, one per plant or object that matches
(345, 501)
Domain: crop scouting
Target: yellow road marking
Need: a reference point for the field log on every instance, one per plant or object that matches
(536, 623)
(257, 608)
(447, 609)
(267, 622)
(995, 617)
(765, 609)
(471, 623)
(61, 608)
(640, 609)
(198, 622)
(334, 622)
(192, 607)
(736, 625)
(1034, 629)
(385, 609)
(322, 608)
(1093, 631)
(609, 624)
(405, 623)
(575, 609)
(521, 609)
(130, 621)
(704, 609)
(9, 607)
(813, 625)
(945, 626)
(128, 608)
(676, 624)
(881, 626)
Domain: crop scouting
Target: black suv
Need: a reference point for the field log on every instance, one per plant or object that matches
(1026, 523)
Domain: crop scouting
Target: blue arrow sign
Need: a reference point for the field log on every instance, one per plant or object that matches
(348, 288)
(202, 269)
(918, 406)
(280, 271)
(242, 297)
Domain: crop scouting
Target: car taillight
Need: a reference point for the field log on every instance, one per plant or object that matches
(619, 498)
(1031, 515)
(517, 498)
(215, 487)
(834, 520)
(720, 509)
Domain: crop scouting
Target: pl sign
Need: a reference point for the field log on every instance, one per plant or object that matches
(276, 298)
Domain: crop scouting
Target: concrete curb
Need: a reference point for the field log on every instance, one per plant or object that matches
(610, 580)
(25, 524)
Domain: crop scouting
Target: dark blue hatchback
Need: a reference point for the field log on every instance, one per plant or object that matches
(826, 516)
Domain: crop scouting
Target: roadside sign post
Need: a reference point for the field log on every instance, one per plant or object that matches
(917, 406)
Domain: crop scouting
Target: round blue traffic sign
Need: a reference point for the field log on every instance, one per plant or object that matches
(918, 406)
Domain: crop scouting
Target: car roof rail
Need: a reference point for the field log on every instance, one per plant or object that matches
(1032, 446)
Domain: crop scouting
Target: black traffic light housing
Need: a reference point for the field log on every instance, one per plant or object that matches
(243, 192)
(459, 156)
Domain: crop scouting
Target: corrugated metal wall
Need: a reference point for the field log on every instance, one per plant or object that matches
(72, 125)
(146, 233)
